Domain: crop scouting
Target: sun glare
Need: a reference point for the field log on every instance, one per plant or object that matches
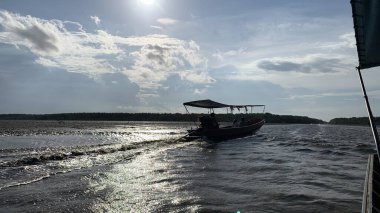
(147, 2)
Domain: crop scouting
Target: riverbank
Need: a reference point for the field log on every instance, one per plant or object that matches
(270, 118)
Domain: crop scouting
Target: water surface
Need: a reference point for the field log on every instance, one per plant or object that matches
(142, 167)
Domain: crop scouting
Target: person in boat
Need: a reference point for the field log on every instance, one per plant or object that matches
(205, 122)
(209, 122)
(235, 123)
(214, 122)
(242, 122)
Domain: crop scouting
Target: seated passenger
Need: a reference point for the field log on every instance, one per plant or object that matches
(235, 123)
(205, 122)
(242, 122)
(214, 123)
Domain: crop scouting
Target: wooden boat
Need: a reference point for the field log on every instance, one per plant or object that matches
(209, 128)
(366, 18)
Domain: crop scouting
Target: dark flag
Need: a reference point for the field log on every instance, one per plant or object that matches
(366, 16)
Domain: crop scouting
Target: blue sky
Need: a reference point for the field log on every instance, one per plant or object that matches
(297, 56)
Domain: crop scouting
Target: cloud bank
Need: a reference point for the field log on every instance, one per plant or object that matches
(310, 64)
(144, 60)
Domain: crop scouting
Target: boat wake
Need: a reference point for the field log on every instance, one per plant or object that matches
(33, 157)
(41, 166)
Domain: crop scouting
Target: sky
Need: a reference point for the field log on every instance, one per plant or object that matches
(297, 57)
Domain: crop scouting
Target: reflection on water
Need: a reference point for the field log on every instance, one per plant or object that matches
(141, 167)
(146, 184)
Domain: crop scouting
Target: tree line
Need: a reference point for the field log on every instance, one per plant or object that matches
(363, 121)
(269, 118)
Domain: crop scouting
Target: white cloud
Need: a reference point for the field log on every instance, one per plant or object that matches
(221, 56)
(39, 35)
(196, 77)
(199, 91)
(46, 62)
(346, 40)
(166, 21)
(95, 19)
(156, 61)
(156, 27)
(75, 50)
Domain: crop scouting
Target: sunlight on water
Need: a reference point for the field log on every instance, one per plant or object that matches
(143, 185)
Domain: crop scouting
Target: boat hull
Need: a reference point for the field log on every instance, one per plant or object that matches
(229, 132)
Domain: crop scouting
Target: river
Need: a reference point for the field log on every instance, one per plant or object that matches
(79, 166)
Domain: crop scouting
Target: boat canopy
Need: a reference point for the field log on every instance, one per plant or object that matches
(366, 16)
(209, 104)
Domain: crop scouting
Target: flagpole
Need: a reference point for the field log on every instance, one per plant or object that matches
(370, 115)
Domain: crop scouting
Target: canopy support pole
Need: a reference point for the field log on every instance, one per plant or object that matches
(370, 115)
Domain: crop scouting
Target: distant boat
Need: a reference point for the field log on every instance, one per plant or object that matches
(209, 128)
